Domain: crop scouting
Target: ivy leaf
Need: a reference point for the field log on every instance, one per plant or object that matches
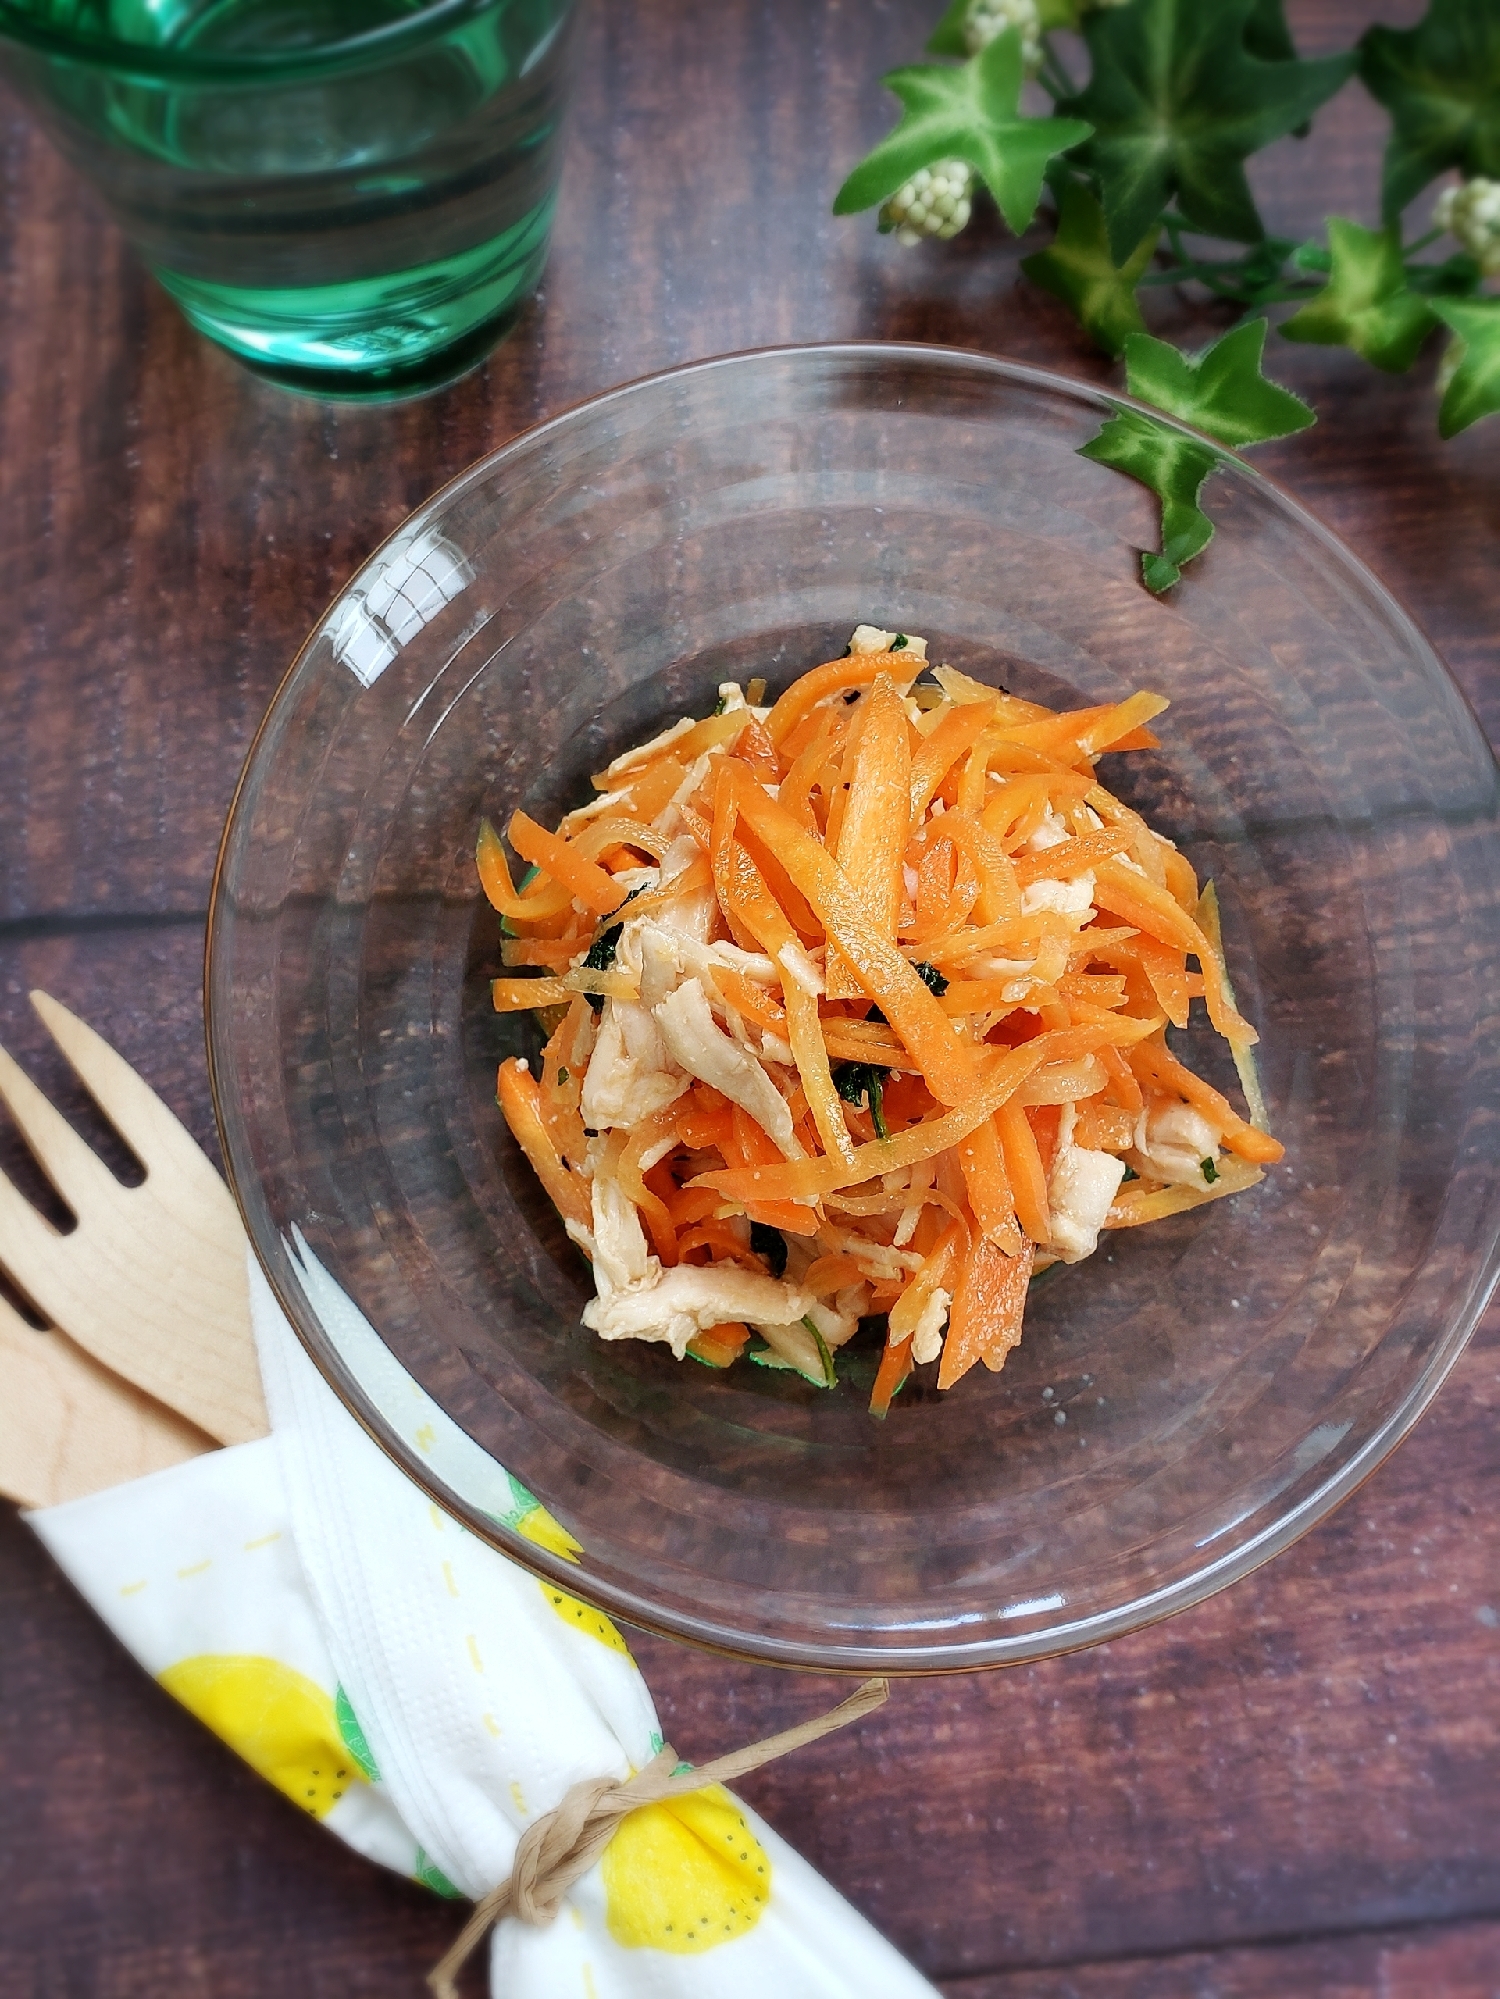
(1440, 81)
(1267, 34)
(947, 38)
(1221, 390)
(1367, 303)
(1473, 390)
(1174, 467)
(1078, 268)
(1178, 103)
(967, 113)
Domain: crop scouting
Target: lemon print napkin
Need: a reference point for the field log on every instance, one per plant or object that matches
(427, 1699)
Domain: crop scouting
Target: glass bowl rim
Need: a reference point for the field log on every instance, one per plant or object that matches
(349, 54)
(909, 1661)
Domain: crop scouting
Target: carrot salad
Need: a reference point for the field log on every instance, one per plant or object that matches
(857, 1007)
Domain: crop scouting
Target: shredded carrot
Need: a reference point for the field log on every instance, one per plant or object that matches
(882, 972)
(524, 995)
(831, 1273)
(494, 879)
(867, 986)
(872, 835)
(1000, 880)
(715, 1235)
(985, 1322)
(568, 868)
(952, 739)
(833, 677)
(519, 1098)
(1153, 1059)
(1023, 1165)
(938, 1272)
(720, 1346)
(1070, 858)
(895, 1366)
(808, 1180)
(983, 1160)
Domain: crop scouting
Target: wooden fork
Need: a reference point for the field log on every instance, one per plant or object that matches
(68, 1427)
(151, 1284)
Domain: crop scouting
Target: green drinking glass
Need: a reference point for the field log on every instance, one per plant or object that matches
(353, 196)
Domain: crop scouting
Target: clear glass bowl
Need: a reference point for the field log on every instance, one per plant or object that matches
(1183, 1404)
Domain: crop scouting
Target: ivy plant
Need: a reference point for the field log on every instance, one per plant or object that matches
(1145, 161)
(1221, 391)
(1178, 103)
(969, 113)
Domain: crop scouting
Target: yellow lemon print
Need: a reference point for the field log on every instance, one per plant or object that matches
(585, 1617)
(282, 1724)
(539, 1526)
(685, 1875)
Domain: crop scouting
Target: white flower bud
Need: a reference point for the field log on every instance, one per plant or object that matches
(1471, 213)
(988, 18)
(937, 201)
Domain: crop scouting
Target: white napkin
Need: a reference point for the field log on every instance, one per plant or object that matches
(427, 1699)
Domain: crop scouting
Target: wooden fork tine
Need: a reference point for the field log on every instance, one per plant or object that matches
(126, 1099)
(28, 1245)
(69, 1427)
(73, 1167)
(152, 1285)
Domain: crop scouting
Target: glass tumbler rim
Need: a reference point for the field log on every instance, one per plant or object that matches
(142, 61)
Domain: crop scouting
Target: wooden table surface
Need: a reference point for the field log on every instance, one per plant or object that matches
(1292, 1788)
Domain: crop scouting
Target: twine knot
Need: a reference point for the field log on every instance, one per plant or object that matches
(562, 1845)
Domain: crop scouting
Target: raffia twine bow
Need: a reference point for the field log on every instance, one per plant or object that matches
(563, 1844)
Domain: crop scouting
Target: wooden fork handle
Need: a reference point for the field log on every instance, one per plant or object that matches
(68, 1427)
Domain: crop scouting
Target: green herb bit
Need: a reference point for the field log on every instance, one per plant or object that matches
(562, 1075)
(1130, 1174)
(830, 1378)
(899, 642)
(863, 1082)
(601, 953)
(599, 957)
(1209, 1170)
(771, 1244)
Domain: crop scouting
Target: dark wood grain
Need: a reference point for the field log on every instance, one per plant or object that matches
(1455, 1960)
(1290, 1789)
